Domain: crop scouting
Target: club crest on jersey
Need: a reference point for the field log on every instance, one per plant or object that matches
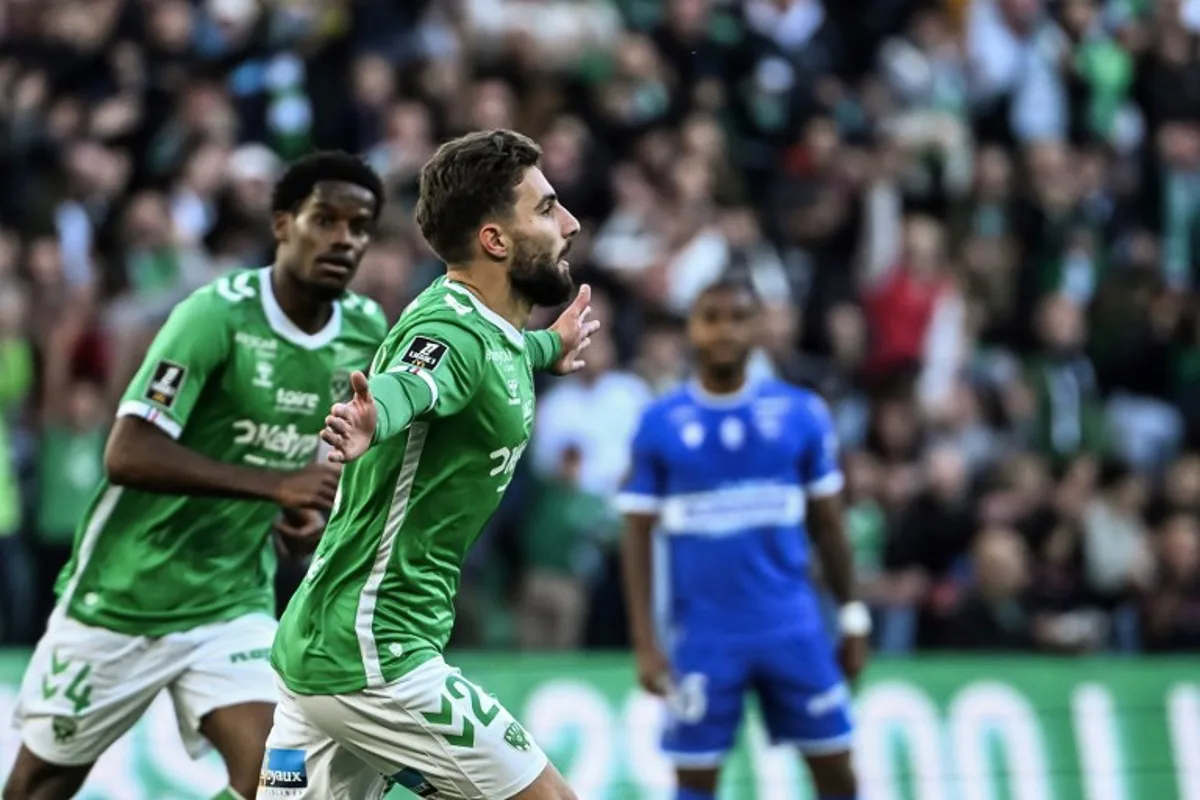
(339, 386)
(165, 383)
(425, 353)
(284, 774)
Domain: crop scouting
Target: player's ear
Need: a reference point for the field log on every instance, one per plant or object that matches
(493, 242)
(281, 222)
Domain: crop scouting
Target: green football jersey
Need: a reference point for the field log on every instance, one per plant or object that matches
(378, 599)
(231, 377)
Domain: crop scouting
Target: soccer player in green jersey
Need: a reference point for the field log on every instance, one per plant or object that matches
(430, 441)
(170, 583)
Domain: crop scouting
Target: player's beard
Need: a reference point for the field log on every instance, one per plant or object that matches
(536, 277)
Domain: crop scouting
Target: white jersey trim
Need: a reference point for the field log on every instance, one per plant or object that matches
(632, 503)
(506, 327)
(364, 618)
(423, 375)
(828, 486)
(157, 418)
(283, 325)
(87, 545)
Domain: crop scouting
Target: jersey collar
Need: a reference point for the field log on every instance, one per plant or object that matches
(283, 325)
(709, 400)
(512, 334)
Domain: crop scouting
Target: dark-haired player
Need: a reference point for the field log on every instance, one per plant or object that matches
(730, 479)
(430, 441)
(169, 586)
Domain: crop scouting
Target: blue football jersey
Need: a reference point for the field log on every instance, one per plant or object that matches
(729, 478)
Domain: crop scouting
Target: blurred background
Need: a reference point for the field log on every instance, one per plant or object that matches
(975, 224)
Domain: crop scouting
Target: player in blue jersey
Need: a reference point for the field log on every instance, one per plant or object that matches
(731, 480)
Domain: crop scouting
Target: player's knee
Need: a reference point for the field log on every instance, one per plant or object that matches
(833, 775)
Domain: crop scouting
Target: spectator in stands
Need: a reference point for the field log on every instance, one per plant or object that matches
(1171, 607)
(994, 613)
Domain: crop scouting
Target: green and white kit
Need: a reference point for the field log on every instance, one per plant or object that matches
(231, 377)
(366, 630)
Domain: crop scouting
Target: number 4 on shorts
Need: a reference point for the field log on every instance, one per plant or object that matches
(78, 692)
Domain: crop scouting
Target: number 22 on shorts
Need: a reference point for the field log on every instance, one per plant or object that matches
(443, 720)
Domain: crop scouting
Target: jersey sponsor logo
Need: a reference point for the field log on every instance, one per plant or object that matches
(166, 383)
(261, 345)
(284, 770)
(425, 353)
(500, 356)
(292, 401)
(264, 371)
(285, 441)
(733, 510)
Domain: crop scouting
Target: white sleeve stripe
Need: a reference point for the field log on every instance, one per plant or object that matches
(136, 408)
(628, 503)
(406, 369)
(432, 384)
(830, 485)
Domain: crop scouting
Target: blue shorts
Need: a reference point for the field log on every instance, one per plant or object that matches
(800, 689)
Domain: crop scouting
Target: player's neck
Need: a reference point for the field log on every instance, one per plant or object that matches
(308, 313)
(722, 382)
(491, 287)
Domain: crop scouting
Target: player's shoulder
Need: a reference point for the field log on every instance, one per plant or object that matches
(803, 403)
(444, 306)
(668, 405)
(362, 314)
(224, 299)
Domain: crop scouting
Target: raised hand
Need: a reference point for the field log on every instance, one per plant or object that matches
(575, 330)
(350, 426)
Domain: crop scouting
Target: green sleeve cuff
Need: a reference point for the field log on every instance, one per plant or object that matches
(399, 398)
(543, 347)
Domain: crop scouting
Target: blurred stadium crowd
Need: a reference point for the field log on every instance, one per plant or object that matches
(975, 226)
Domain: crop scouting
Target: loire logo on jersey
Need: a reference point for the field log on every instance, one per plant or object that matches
(285, 441)
(294, 402)
(425, 353)
(284, 770)
(166, 382)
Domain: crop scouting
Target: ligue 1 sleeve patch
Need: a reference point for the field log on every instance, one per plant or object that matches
(165, 383)
(425, 353)
(284, 775)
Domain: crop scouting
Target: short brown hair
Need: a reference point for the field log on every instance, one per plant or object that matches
(468, 180)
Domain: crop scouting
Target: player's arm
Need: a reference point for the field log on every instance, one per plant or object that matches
(434, 372)
(142, 451)
(823, 482)
(544, 348)
(639, 502)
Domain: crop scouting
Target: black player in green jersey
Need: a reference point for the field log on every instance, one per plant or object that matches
(169, 586)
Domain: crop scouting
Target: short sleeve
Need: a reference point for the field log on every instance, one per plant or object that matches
(819, 468)
(645, 487)
(448, 358)
(192, 344)
(542, 348)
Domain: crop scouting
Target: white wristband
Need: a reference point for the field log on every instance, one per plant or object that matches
(854, 619)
